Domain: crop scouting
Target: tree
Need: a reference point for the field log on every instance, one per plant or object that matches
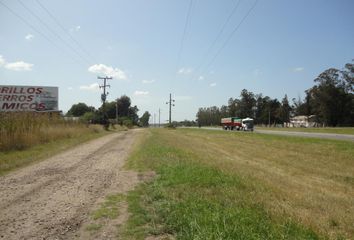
(232, 107)
(111, 108)
(246, 104)
(144, 120)
(79, 109)
(331, 98)
(133, 114)
(284, 110)
(123, 106)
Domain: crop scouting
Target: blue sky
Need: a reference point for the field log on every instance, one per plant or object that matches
(150, 49)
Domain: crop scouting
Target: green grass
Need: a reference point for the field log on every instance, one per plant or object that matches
(337, 130)
(94, 227)
(109, 208)
(198, 195)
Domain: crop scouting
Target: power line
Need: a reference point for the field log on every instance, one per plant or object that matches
(231, 35)
(220, 33)
(52, 31)
(63, 28)
(36, 30)
(184, 33)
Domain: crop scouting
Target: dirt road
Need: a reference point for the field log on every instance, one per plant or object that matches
(53, 199)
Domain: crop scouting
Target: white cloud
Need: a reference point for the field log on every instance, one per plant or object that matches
(91, 87)
(185, 71)
(212, 84)
(107, 71)
(29, 37)
(139, 93)
(75, 29)
(298, 69)
(70, 88)
(183, 98)
(147, 81)
(201, 78)
(256, 72)
(19, 66)
(2, 60)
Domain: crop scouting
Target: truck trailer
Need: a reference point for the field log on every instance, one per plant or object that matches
(235, 123)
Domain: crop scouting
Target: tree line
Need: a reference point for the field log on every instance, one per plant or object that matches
(330, 100)
(121, 108)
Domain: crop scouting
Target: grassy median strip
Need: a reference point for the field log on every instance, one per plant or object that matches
(221, 185)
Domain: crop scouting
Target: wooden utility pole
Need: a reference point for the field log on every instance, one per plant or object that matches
(170, 108)
(104, 97)
(104, 86)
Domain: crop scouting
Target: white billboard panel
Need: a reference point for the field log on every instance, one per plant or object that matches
(28, 98)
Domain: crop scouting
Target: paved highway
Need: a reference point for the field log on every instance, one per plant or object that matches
(346, 137)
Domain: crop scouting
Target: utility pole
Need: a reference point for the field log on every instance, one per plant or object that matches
(104, 86)
(159, 116)
(104, 97)
(170, 106)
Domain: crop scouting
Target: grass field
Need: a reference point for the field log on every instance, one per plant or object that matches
(215, 185)
(337, 130)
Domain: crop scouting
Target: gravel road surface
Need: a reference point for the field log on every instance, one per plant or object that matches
(54, 198)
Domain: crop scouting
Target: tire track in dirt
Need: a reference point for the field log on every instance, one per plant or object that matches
(51, 199)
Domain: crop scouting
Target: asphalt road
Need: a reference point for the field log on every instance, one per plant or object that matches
(345, 137)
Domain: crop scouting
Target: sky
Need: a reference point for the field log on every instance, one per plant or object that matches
(201, 51)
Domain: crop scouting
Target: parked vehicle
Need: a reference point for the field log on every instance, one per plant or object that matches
(235, 123)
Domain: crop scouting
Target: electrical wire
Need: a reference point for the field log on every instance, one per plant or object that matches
(64, 30)
(219, 33)
(230, 36)
(36, 30)
(184, 33)
(53, 32)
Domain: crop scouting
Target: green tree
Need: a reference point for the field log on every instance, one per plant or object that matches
(232, 107)
(331, 98)
(246, 104)
(285, 110)
(123, 106)
(111, 108)
(79, 109)
(144, 120)
(133, 114)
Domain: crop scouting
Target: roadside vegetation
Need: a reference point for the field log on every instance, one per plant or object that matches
(217, 185)
(28, 137)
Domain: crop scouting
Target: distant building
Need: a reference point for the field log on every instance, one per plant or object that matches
(303, 121)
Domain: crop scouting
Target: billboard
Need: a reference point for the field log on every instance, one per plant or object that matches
(28, 98)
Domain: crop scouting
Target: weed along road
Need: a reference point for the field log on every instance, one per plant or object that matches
(54, 198)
